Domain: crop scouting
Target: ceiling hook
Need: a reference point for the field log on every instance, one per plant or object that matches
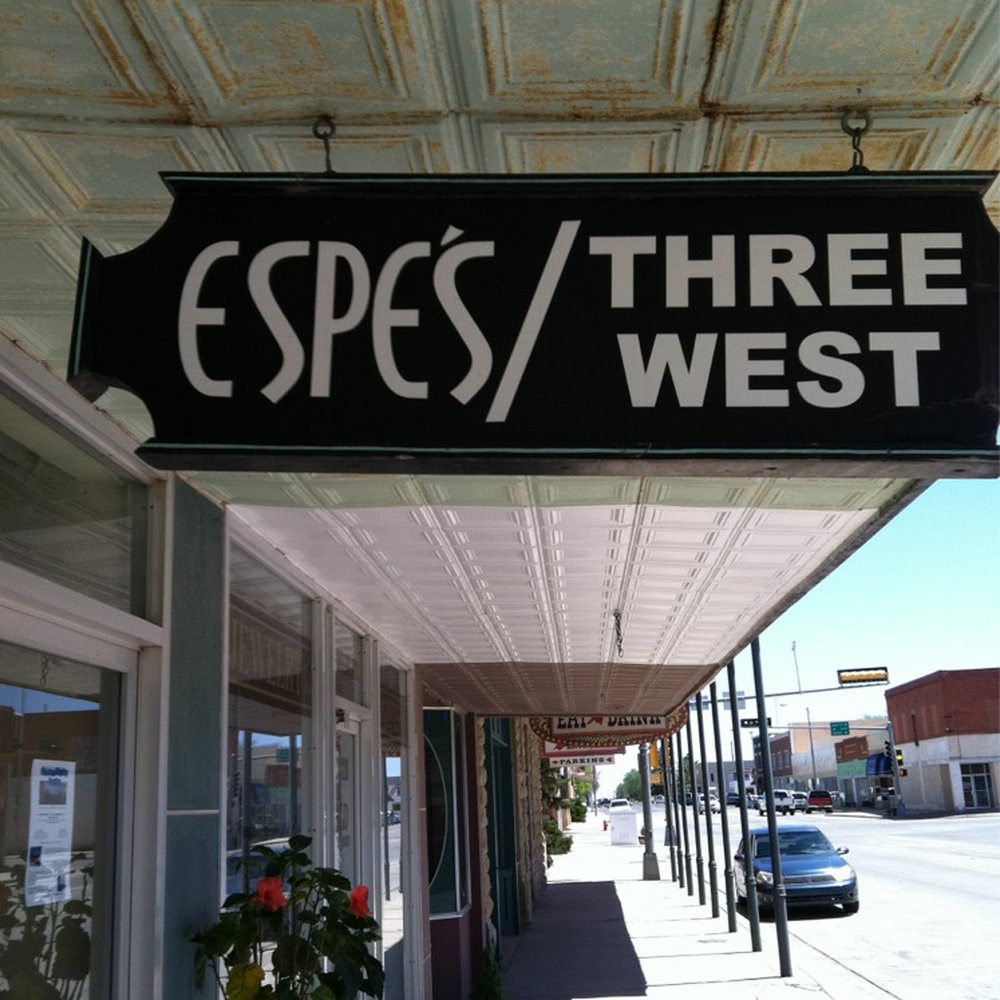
(856, 132)
(324, 129)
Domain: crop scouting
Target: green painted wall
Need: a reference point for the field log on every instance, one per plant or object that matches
(197, 624)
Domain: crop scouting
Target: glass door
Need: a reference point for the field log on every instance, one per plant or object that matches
(394, 743)
(977, 786)
(348, 811)
(59, 759)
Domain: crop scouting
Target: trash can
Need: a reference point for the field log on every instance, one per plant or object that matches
(623, 827)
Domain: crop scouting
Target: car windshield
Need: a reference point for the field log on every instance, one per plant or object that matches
(794, 842)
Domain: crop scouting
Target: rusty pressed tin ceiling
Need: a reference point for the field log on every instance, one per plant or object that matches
(505, 587)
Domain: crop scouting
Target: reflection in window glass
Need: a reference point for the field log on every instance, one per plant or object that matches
(445, 817)
(63, 514)
(270, 716)
(58, 777)
(349, 646)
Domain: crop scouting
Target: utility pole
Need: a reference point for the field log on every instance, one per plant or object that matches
(812, 749)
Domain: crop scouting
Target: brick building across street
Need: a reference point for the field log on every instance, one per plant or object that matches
(947, 726)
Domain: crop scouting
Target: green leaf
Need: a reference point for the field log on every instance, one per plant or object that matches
(72, 946)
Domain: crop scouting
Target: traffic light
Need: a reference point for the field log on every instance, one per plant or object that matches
(874, 675)
(888, 750)
(902, 772)
(899, 758)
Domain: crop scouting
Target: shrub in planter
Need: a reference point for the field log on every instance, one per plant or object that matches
(488, 986)
(556, 842)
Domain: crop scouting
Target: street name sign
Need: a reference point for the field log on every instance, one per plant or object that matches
(840, 729)
(752, 723)
(838, 324)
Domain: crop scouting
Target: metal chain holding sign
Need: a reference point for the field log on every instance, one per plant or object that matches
(856, 132)
(324, 130)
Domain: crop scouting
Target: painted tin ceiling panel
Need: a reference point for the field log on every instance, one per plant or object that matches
(587, 57)
(599, 147)
(759, 143)
(845, 52)
(268, 61)
(63, 60)
(72, 167)
(414, 148)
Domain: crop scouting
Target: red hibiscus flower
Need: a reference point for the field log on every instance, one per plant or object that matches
(270, 893)
(359, 901)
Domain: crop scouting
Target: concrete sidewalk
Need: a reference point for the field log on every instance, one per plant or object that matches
(601, 931)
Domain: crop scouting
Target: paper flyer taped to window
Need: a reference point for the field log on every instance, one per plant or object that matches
(50, 833)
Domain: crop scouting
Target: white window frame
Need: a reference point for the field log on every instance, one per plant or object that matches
(39, 614)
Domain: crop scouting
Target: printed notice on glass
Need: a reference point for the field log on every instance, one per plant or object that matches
(50, 833)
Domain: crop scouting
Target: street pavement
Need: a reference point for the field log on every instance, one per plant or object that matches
(603, 930)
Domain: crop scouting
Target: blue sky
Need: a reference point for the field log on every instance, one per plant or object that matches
(922, 595)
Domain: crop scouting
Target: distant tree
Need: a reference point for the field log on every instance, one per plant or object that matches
(630, 787)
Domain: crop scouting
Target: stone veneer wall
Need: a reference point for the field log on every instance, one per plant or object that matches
(482, 818)
(528, 821)
(530, 837)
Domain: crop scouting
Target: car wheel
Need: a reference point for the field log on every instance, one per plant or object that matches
(808, 810)
(852, 907)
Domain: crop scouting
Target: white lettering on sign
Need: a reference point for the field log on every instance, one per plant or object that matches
(753, 365)
(192, 316)
(748, 356)
(607, 723)
(387, 317)
(784, 258)
(565, 746)
(583, 760)
(325, 324)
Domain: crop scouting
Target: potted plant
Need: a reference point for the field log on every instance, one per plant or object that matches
(300, 918)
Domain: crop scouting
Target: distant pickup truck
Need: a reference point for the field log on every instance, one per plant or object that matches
(784, 802)
(819, 798)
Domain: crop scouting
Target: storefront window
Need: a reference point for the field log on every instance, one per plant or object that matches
(349, 649)
(446, 816)
(270, 730)
(66, 516)
(58, 778)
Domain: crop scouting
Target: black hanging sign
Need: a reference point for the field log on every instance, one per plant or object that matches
(688, 323)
